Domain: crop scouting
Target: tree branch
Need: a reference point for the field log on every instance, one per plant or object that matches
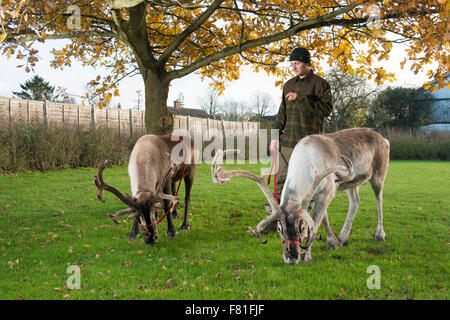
(134, 32)
(188, 31)
(328, 19)
(304, 25)
(25, 37)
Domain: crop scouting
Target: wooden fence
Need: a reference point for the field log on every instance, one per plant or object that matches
(125, 121)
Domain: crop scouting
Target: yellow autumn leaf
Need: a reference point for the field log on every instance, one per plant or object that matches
(427, 86)
(108, 97)
(86, 245)
(424, 31)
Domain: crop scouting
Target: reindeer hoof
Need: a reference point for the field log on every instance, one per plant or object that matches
(333, 244)
(171, 234)
(380, 236)
(343, 241)
(185, 227)
(132, 236)
(151, 241)
(175, 215)
(305, 256)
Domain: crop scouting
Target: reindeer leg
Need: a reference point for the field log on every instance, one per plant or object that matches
(332, 241)
(322, 201)
(134, 233)
(380, 235)
(150, 234)
(175, 214)
(353, 198)
(188, 182)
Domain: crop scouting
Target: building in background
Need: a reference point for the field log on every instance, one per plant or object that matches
(440, 109)
(178, 110)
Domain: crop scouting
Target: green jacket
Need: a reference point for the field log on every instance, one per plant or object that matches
(305, 115)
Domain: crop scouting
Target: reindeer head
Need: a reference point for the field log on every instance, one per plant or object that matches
(294, 224)
(142, 205)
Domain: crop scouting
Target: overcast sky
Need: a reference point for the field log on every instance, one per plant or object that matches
(76, 77)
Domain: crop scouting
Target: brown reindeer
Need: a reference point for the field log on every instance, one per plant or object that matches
(320, 166)
(152, 178)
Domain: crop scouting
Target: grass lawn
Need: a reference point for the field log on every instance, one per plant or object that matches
(50, 221)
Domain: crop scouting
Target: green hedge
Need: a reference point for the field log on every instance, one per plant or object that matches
(25, 147)
(416, 145)
(40, 147)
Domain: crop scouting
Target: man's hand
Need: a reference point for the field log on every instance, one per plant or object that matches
(273, 146)
(291, 96)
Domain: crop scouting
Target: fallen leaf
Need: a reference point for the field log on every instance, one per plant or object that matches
(342, 292)
(169, 283)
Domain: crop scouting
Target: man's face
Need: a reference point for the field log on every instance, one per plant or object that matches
(299, 68)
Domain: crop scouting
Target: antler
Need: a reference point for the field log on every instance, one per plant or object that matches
(348, 171)
(162, 182)
(101, 185)
(220, 175)
(164, 176)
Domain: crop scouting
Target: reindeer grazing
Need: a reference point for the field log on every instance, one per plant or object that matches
(345, 159)
(152, 177)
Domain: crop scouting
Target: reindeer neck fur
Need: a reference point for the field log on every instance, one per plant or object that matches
(147, 162)
(366, 149)
(301, 173)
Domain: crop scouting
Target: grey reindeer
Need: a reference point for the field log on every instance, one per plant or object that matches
(320, 166)
(152, 178)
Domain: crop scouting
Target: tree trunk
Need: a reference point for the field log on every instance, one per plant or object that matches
(158, 120)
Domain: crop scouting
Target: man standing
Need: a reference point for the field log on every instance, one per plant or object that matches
(305, 103)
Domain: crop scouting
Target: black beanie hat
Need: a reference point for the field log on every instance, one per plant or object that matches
(300, 54)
